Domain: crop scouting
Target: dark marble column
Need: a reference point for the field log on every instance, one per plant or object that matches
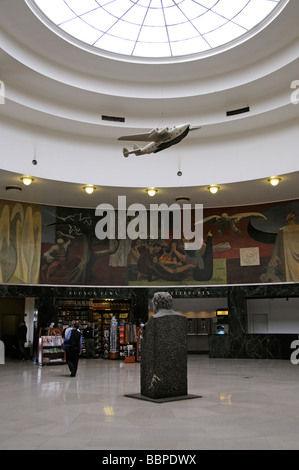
(237, 308)
(139, 305)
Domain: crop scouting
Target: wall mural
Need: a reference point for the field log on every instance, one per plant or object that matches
(55, 245)
(20, 242)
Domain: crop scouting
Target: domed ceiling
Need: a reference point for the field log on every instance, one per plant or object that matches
(159, 28)
(66, 100)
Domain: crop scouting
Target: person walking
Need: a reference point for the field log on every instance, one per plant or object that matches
(73, 340)
(89, 341)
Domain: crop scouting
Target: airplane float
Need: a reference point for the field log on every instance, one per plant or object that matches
(159, 139)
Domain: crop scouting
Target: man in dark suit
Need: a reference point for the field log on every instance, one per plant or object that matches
(73, 341)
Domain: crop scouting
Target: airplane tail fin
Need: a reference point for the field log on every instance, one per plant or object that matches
(126, 152)
(136, 150)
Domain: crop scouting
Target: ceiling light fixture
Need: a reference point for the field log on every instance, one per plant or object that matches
(27, 180)
(151, 191)
(89, 188)
(213, 188)
(274, 180)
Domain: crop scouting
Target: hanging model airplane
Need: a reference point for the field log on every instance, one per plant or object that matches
(159, 139)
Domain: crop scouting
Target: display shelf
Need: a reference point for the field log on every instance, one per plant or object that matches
(98, 312)
(50, 350)
(73, 311)
(102, 311)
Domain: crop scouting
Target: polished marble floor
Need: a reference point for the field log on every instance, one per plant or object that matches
(245, 404)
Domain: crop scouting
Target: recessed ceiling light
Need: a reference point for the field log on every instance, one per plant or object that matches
(151, 191)
(27, 180)
(89, 188)
(213, 188)
(274, 180)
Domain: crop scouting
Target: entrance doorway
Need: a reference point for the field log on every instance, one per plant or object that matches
(11, 313)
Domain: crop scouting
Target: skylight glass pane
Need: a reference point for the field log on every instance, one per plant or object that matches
(256, 11)
(192, 9)
(156, 4)
(154, 17)
(99, 19)
(144, 3)
(208, 22)
(135, 15)
(181, 32)
(152, 50)
(227, 33)
(153, 34)
(112, 44)
(230, 8)
(80, 7)
(121, 30)
(174, 15)
(56, 10)
(119, 8)
(82, 30)
(168, 3)
(156, 28)
(192, 46)
(208, 3)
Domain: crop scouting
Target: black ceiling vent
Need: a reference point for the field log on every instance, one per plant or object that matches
(233, 112)
(13, 188)
(182, 199)
(113, 118)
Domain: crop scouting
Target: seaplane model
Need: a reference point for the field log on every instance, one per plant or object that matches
(159, 139)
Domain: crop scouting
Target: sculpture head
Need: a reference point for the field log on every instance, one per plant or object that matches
(291, 218)
(162, 301)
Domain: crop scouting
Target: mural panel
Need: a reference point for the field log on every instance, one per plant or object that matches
(20, 242)
(56, 245)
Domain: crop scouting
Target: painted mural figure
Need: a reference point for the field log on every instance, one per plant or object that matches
(57, 256)
(169, 261)
(224, 220)
(132, 259)
(284, 262)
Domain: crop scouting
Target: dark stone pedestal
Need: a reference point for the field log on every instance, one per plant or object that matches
(163, 374)
(164, 356)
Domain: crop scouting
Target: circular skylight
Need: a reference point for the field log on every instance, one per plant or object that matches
(158, 28)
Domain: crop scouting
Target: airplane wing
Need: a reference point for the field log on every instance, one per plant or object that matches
(194, 128)
(153, 136)
(136, 137)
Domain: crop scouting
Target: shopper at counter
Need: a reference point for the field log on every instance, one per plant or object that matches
(89, 340)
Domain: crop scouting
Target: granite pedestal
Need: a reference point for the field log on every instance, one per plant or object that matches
(164, 356)
(163, 374)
